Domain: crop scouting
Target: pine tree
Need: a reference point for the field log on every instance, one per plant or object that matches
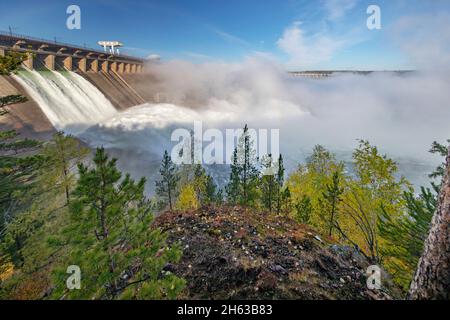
(286, 200)
(438, 173)
(62, 153)
(244, 176)
(111, 240)
(331, 199)
(219, 197)
(269, 184)
(11, 62)
(248, 172)
(279, 183)
(199, 182)
(211, 194)
(166, 187)
(17, 172)
(233, 188)
(405, 235)
(303, 209)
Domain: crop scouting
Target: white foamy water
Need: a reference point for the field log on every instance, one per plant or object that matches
(150, 115)
(217, 113)
(69, 101)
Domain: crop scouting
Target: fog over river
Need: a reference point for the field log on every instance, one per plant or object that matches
(400, 113)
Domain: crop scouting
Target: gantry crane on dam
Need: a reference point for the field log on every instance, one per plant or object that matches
(111, 46)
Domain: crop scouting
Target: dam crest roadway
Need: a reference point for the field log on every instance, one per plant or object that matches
(52, 55)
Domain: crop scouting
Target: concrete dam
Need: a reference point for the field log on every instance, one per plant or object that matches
(68, 84)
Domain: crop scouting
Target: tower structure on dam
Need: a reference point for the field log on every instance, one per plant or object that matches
(60, 56)
(111, 46)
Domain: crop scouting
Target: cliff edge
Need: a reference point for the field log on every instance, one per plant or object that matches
(238, 253)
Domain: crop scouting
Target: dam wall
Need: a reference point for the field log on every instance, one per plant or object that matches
(119, 91)
(54, 55)
(52, 90)
(26, 118)
(123, 91)
(146, 85)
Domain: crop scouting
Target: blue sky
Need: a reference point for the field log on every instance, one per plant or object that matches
(300, 34)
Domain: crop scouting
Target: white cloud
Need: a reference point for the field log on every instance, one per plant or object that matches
(307, 51)
(154, 57)
(425, 39)
(336, 9)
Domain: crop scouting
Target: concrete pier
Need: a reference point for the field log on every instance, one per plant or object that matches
(82, 64)
(50, 62)
(121, 68)
(68, 63)
(113, 67)
(105, 66)
(29, 63)
(93, 66)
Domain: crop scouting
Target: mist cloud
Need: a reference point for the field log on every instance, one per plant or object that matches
(337, 8)
(303, 50)
(402, 113)
(425, 39)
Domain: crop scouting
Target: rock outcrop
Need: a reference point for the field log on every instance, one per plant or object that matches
(235, 253)
(432, 279)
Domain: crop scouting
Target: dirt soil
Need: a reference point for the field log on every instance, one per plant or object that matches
(237, 253)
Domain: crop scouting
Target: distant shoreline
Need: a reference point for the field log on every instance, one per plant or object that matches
(364, 72)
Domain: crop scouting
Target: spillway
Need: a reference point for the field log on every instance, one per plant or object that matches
(69, 101)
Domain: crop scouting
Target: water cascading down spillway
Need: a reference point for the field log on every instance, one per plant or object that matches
(69, 101)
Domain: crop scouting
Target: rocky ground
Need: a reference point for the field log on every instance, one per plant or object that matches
(236, 253)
